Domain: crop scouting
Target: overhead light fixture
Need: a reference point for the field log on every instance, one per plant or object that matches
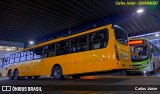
(156, 35)
(143, 35)
(31, 42)
(8, 49)
(139, 10)
(154, 40)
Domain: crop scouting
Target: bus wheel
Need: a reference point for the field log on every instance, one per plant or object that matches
(16, 75)
(10, 75)
(57, 73)
(76, 76)
(29, 77)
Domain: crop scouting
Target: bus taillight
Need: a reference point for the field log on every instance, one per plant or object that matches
(116, 51)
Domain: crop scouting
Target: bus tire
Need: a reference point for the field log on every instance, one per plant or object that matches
(16, 75)
(57, 73)
(10, 75)
(76, 76)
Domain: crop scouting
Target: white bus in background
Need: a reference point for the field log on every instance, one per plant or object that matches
(1, 63)
(5, 63)
(144, 55)
(14, 59)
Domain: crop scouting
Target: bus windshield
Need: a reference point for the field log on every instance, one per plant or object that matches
(121, 35)
(139, 53)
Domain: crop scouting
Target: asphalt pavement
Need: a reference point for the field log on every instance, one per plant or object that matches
(96, 84)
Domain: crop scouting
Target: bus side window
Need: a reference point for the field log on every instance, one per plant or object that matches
(38, 52)
(3, 61)
(79, 44)
(8, 60)
(49, 50)
(93, 43)
(62, 47)
(58, 48)
(73, 45)
(46, 51)
(29, 55)
(23, 56)
(12, 56)
(83, 43)
(103, 38)
(17, 56)
(156, 51)
(98, 40)
(151, 48)
(66, 47)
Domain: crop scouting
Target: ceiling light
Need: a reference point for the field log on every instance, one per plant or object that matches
(144, 35)
(8, 49)
(139, 10)
(157, 35)
(31, 42)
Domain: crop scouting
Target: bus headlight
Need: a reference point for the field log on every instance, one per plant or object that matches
(146, 64)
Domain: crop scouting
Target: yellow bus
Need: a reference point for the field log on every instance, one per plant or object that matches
(100, 49)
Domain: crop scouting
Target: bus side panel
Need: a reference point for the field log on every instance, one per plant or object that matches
(124, 54)
(100, 59)
(93, 60)
(21, 69)
(71, 63)
(39, 66)
(26, 68)
(110, 61)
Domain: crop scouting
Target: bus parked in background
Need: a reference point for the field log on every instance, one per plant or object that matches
(101, 49)
(145, 56)
(5, 64)
(1, 63)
